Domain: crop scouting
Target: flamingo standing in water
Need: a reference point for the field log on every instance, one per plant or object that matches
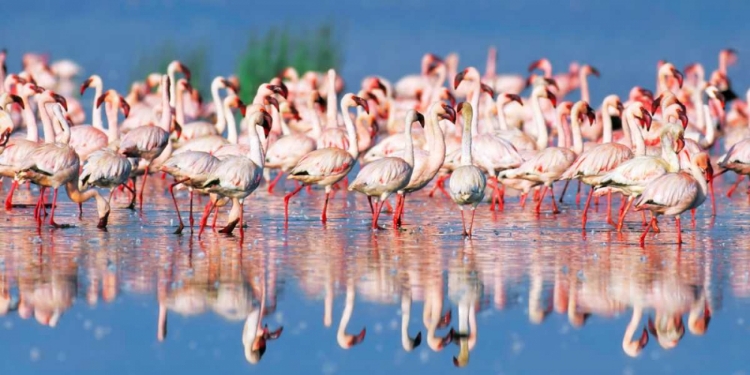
(105, 168)
(427, 163)
(17, 150)
(147, 142)
(236, 177)
(387, 175)
(86, 139)
(467, 182)
(52, 165)
(329, 165)
(674, 193)
(199, 129)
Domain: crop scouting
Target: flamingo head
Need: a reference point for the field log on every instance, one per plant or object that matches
(668, 332)
(271, 100)
(280, 89)
(430, 61)
(488, 90)
(114, 99)
(230, 85)
(669, 69)
(177, 66)
(351, 100)
(5, 137)
(584, 110)
(266, 122)
(447, 112)
(541, 64)
(356, 339)
(634, 348)
(7, 99)
(419, 118)
(51, 96)
(152, 80)
(703, 162)
(374, 83)
(645, 117)
(714, 93)
(93, 80)
(469, 74)
(510, 98)
(587, 69)
(698, 325)
(729, 55)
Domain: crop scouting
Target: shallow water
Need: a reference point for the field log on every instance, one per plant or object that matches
(537, 296)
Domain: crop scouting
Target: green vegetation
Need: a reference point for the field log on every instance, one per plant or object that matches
(195, 58)
(269, 53)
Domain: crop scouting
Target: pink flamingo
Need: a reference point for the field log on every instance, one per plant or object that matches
(105, 168)
(147, 142)
(388, 175)
(236, 177)
(199, 129)
(329, 165)
(467, 182)
(52, 165)
(506, 83)
(675, 193)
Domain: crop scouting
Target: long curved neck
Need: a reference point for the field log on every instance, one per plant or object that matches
(232, 136)
(441, 73)
(466, 139)
(172, 88)
(166, 110)
(346, 316)
(65, 137)
(179, 108)
(710, 127)
(351, 132)
(669, 154)
(284, 126)
(635, 320)
(276, 126)
(542, 136)
(315, 122)
(409, 149)
(96, 112)
(406, 341)
(221, 122)
(697, 99)
(636, 135)
(331, 120)
(32, 132)
(562, 139)
(49, 131)
(256, 149)
(698, 176)
(435, 144)
(113, 130)
(501, 120)
(662, 84)
(585, 96)
(606, 125)
(476, 93)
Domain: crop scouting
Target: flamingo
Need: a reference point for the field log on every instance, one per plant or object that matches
(236, 177)
(345, 340)
(86, 139)
(427, 163)
(506, 83)
(388, 175)
(329, 165)
(147, 142)
(547, 165)
(17, 150)
(675, 193)
(467, 182)
(105, 168)
(199, 129)
(52, 165)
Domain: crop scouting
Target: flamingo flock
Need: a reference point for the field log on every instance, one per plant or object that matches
(652, 148)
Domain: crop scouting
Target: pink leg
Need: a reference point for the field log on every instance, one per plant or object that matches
(176, 206)
(191, 212)
(204, 218)
(565, 188)
(609, 209)
(554, 205)
(9, 198)
(286, 201)
(463, 224)
(52, 214)
(578, 193)
(645, 232)
(378, 208)
(323, 217)
(541, 198)
(216, 216)
(713, 197)
(623, 213)
(274, 182)
(679, 229)
(735, 185)
(143, 186)
(471, 223)
(586, 209)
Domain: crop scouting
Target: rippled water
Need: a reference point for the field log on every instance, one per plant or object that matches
(527, 294)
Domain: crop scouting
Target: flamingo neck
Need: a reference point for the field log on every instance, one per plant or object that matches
(166, 110)
(32, 132)
(284, 126)
(221, 122)
(315, 122)
(466, 137)
(632, 326)
(709, 124)
(606, 125)
(96, 112)
(435, 144)
(409, 149)
(501, 119)
(180, 107)
(562, 132)
(47, 128)
(341, 335)
(172, 86)
(351, 132)
(113, 131)
(256, 148)
(698, 176)
(64, 126)
(331, 120)
(585, 95)
(636, 135)
(476, 93)
(276, 126)
(406, 341)
(669, 154)
(542, 138)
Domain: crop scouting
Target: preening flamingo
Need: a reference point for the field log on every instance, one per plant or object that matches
(467, 182)
(329, 165)
(383, 177)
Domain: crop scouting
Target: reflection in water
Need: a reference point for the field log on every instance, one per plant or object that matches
(454, 281)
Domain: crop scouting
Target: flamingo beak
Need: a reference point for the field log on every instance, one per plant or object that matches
(552, 98)
(17, 99)
(272, 101)
(36, 88)
(643, 340)
(594, 71)
(459, 77)
(85, 85)
(5, 138)
(536, 65)
(103, 222)
(184, 70)
(272, 335)
(678, 76)
(486, 88)
(514, 98)
(591, 115)
(417, 340)
(420, 119)
(61, 99)
(125, 107)
(709, 177)
(101, 100)
(684, 120)
(362, 103)
(445, 320)
(450, 113)
(551, 82)
(619, 106)
(680, 144)
(355, 340)
(267, 123)
(656, 104)
(445, 341)
(448, 96)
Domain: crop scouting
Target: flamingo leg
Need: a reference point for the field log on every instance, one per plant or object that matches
(523, 200)
(471, 222)
(143, 187)
(554, 205)
(735, 185)
(204, 218)
(541, 198)
(399, 199)
(242, 225)
(586, 209)
(643, 218)
(369, 201)
(52, 213)
(578, 193)
(501, 197)
(565, 188)
(274, 182)
(378, 208)
(609, 209)
(624, 212)
(131, 206)
(679, 229)
(645, 232)
(463, 224)
(713, 197)
(191, 211)
(655, 223)
(286, 201)
(9, 198)
(323, 217)
(176, 206)
(401, 210)
(216, 216)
